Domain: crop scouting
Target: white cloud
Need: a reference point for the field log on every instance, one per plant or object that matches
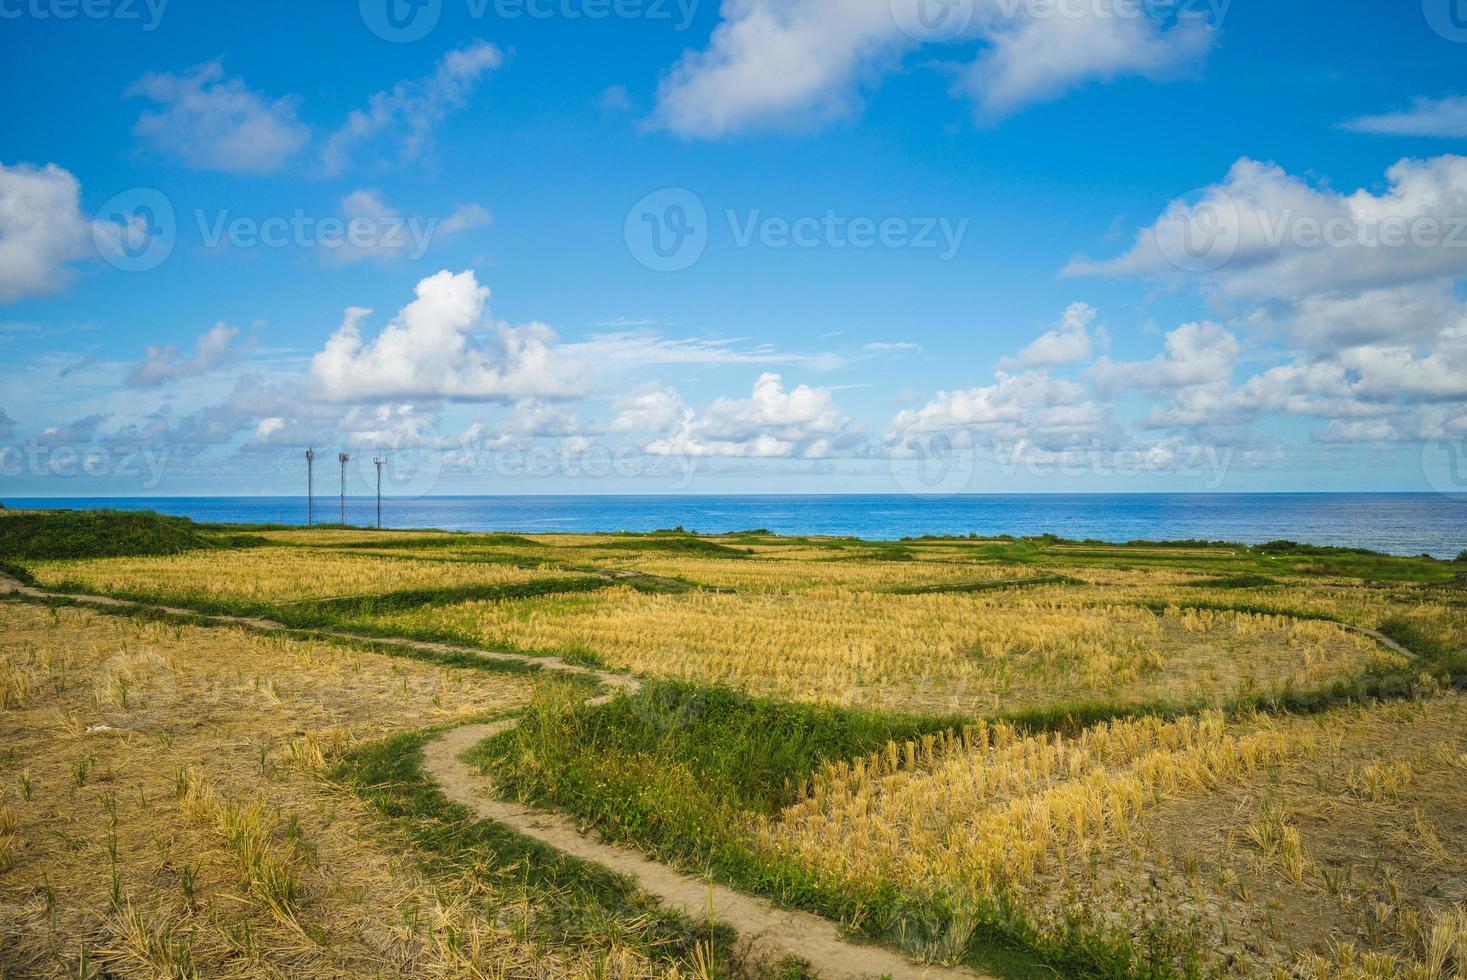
(378, 232)
(214, 347)
(216, 123)
(891, 347)
(1294, 239)
(1029, 408)
(615, 99)
(772, 423)
(1070, 342)
(798, 63)
(644, 347)
(1033, 59)
(651, 407)
(444, 345)
(41, 229)
(1196, 354)
(406, 116)
(1445, 118)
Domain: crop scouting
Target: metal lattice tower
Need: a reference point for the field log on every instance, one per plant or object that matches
(377, 462)
(310, 487)
(344, 458)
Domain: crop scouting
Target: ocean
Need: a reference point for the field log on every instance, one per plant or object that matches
(1398, 523)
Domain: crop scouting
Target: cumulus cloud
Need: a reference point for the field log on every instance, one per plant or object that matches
(212, 122)
(1445, 118)
(41, 229)
(1195, 354)
(798, 63)
(1032, 407)
(772, 423)
(1070, 342)
(1266, 234)
(213, 348)
(1359, 287)
(1033, 58)
(444, 345)
(402, 119)
(651, 407)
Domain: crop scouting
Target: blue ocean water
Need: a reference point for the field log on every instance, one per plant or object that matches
(1401, 523)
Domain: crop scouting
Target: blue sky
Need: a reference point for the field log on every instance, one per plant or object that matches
(756, 246)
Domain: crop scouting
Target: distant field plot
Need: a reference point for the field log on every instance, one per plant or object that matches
(781, 574)
(1320, 847)
(276, 574)
(934, 652)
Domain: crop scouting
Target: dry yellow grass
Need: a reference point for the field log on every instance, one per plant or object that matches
(274, 574)
(945, 652)
(1328, 846)
(162, 814)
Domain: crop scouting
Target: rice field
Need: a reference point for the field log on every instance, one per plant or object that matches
(163, 812)
(938, 652)
(279, 575)
(1334, 845)
(1032, 757)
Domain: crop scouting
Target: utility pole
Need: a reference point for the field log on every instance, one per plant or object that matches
(344, 458)
(310, 487)
(377, 462)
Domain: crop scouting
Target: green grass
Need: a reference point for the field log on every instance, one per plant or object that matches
(106, 534)
(683, 771)
(576, 903)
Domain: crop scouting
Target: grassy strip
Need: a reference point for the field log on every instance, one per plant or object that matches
(684, 773)
(576, 903)
(983, 586)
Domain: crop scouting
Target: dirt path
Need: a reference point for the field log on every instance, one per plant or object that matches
(766, 932)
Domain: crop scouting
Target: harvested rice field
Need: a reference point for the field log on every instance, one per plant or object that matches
(979, 757)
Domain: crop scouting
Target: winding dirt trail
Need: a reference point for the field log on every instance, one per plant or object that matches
(766, 933)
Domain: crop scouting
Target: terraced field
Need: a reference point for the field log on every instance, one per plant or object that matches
(1007, 757)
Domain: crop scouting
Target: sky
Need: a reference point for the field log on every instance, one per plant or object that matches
(756, 246)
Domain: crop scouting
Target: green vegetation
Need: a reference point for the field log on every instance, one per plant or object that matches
(105, 534)
(585, 902)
